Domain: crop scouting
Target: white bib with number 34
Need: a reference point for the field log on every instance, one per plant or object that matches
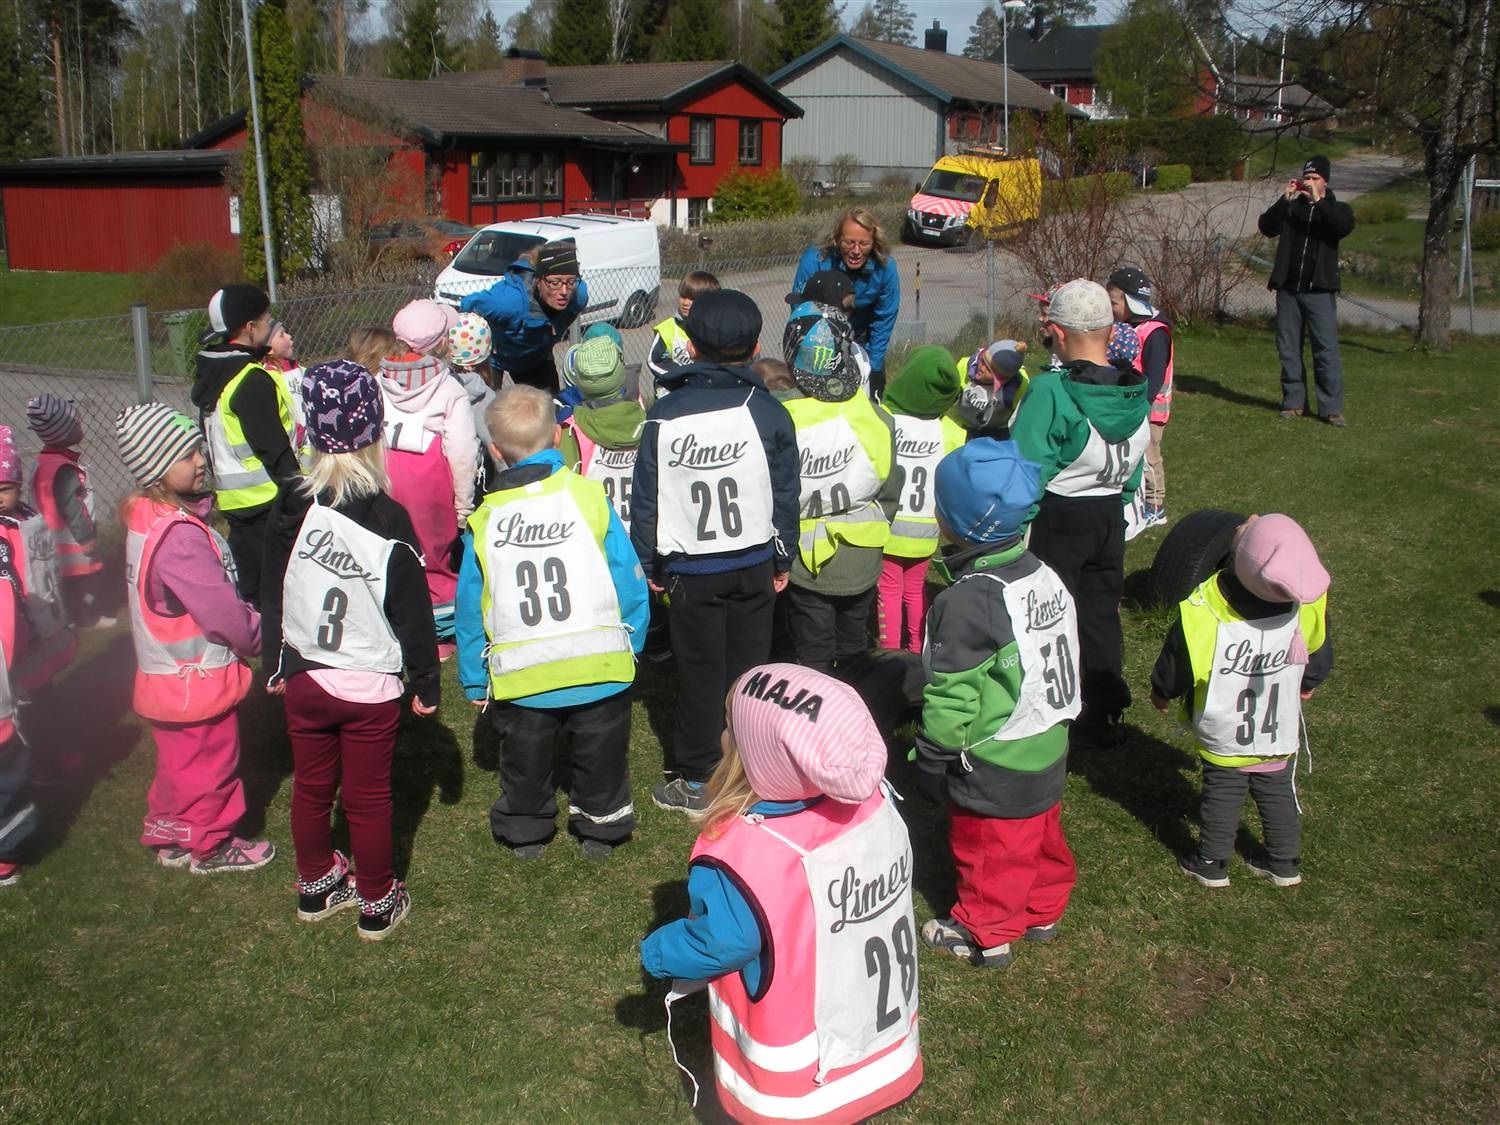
(333, 599)
(1252, 708)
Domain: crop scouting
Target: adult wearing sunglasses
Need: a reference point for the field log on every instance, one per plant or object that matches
(857, 246)
(529, 310)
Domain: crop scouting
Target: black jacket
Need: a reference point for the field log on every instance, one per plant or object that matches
(1307, 248)
(254, 403)
(407, 605)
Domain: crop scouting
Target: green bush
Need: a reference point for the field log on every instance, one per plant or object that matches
(1079, 192)
(1173, 177)
(748, 195)
(1372, 209)
(1209, 145)
(1486, 232)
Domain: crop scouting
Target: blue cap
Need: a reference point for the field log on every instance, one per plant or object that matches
(985, 489)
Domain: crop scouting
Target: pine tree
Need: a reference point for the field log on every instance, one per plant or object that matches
(805, 24)
(422, 48)
(693, 30)
(484, 51)
(288, 179)
(23, 114)
(893, 21)
(581, 34)
(986, 36)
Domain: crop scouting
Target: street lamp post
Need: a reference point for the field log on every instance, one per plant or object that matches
(1005, 10)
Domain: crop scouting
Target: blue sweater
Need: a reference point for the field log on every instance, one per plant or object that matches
(877, 297)
(523, 330)
(720, 934)
(630, 589)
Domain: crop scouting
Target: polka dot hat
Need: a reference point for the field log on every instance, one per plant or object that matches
(469, 340)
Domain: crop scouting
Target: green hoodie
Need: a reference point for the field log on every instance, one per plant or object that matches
(1061, 407)
(616, 426)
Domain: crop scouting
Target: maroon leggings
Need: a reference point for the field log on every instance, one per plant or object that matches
(338, 745)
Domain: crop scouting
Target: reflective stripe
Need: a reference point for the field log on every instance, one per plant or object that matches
(519, 656)
(787, 1059)
(628, 810)
(914, 528)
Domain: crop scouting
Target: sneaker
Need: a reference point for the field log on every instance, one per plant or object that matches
(1156, 514)
(1288, 415)
(1041, 934)
(235, 854)
(10, 874)
(173, 856)
(680, 795)
(325, 897)
(378, 919)
(529, 851)
(1209, 872)
(597, 849)
(947, 936)
(1337, 421)
(446, 649)
(1288, 876)
(105, 623)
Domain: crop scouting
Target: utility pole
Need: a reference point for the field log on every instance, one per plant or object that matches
(1005, 10)
(260, 156)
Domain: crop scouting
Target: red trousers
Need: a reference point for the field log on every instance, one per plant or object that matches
(341, 747)
(1012, 874)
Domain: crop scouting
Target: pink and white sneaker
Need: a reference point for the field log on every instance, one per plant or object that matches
(10, 874)
(235, 854)
(173, 856)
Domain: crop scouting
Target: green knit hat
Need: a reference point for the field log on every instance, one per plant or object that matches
(927, 385)
(595, 368)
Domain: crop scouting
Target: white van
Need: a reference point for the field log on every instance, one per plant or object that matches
(619, 258)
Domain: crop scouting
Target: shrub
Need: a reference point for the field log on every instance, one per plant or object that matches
(1209, 145)
(186, 276)
(803, 170)
(1372, 209)
(747, 195)
(1485, 232)
(1173, 177)
(843, 168)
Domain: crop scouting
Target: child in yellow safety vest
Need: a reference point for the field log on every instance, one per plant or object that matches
(918, 400)
(669, 347)
(1249, 646)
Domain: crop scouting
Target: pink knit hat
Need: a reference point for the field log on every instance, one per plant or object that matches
(423, 325)
(803, 734)
(10, 457)
(1276, 561)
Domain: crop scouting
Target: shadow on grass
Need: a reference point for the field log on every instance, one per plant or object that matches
(1203, 385)
(427, 758)
(78, 730)
(1140, 590)
(1150, 780)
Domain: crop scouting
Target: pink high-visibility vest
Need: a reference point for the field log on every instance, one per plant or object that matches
(1161, 406)
(614, 469)
(73, 558)
(772, 1060)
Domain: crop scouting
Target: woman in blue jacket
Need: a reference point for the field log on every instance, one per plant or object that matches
(529, 310)
(857, 246)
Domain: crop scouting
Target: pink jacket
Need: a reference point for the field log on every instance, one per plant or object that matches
(419, 385)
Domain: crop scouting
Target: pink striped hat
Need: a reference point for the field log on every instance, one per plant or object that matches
(803, 734)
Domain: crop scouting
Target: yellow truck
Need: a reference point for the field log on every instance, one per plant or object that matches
(975, 190)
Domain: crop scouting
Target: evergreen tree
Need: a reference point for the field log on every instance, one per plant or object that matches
(288, 179)
(422, 48)
(581, 34)
(529, 28)
(484, 51)
(1066, 13)
(23, 114)
(805, 24)
(987, 35)
(220, 43)
(893, 21)
(693, 30)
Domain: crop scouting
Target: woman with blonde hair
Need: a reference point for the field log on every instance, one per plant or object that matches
(857, 247)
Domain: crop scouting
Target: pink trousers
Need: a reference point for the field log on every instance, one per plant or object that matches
(196, 798)
(422, 483)
(902, 599)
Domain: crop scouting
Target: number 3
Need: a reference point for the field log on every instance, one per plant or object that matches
(331, 633)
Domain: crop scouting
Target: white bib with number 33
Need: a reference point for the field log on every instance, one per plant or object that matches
(333, 599)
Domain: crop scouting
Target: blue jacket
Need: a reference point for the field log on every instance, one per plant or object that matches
(630, 589)
(701, 388)
(720, 934)
(877, 297)
(523, 332)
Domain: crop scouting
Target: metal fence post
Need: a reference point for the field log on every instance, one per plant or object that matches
(140, 331)
(989, 289)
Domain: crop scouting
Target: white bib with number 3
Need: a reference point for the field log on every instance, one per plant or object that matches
(713, 483)
(333, 599)
(1104, 468)
(1252, 708)
(406, 432)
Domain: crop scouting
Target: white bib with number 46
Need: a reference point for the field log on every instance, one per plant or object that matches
(1104, 468)
(333, 599)
(1252, 708)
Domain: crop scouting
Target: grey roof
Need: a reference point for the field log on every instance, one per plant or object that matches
(1060, 53)
(1246, 91)
(480, 107)
(950, 78)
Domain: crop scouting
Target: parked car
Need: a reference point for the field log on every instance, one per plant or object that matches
(619, 258)
(430, 239)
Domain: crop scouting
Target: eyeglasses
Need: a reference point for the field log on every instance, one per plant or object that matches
(556, 283)
(850, 244)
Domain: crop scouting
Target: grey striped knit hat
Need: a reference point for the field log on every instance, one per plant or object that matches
(152, 438)
(55, 420)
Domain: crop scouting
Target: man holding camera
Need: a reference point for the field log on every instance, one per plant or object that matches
(1308, 222)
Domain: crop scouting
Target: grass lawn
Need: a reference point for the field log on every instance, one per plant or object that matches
(29, 297)
(514, 994)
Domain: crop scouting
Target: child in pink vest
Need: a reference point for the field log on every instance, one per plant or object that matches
(800, 920)
(60, 492)
(1130, 295)
(602, 436)
(431, 448)
(192, 636)
(18, 816)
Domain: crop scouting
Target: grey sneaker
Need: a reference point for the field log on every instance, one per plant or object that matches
(1280, 875)
(948, 936)
(679, 795)
(529, 851)
(171, 856)
(1337, 421)
(1041, 934)
(235, 854)
(1211, 873)
(597, 849)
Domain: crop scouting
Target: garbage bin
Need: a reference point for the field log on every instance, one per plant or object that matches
(178, 340)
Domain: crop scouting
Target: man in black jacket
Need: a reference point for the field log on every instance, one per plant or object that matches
(1308, 222)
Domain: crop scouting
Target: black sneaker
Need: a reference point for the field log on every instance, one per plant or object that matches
(1209, 872)
(1279, 874)
(325, 897)
(597, 849)
(1041, 934)
(529, 852)
(948, 936)
(378, 919)
(680, 795)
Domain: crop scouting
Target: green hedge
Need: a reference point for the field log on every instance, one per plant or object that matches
(1076, 193)
(1372, 209)
(1173, 177)
(1211, 146)
(748, 195)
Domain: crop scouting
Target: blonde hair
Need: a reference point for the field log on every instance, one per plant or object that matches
(522, 421)
(775, 374)
(864, 217)
(729, 793)
(368, 346)
(347, 476)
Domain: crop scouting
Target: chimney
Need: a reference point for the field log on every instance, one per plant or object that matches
(523, 67)
(935, 39)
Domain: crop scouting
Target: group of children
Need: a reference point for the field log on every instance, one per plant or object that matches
(764, 507)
